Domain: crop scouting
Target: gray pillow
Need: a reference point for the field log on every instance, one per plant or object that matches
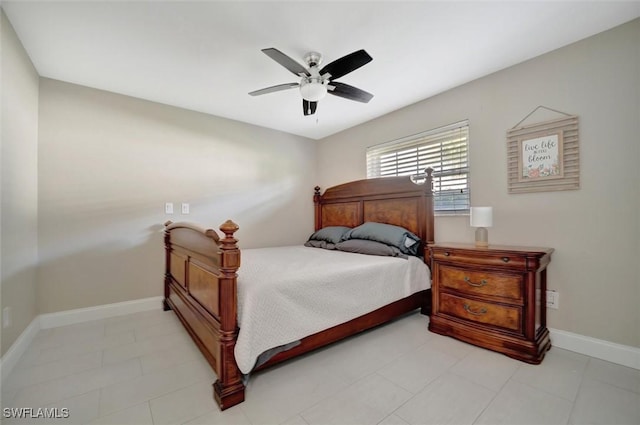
(320, 244)
(330, 234)
(389, 234)
(362, 246)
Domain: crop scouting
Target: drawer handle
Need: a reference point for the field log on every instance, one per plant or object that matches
(505, 259)
(476, 285)
(480, 312)
(446, 254)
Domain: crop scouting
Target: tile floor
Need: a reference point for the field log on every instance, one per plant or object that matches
(144, 369)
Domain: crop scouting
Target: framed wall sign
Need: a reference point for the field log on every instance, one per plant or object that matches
(544, 156)
(540, 157)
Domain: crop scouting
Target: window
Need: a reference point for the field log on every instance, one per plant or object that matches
(444, 149)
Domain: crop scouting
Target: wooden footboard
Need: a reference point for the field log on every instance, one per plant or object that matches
(200, 286)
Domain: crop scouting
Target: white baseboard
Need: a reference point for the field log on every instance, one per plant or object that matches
(17, 349)
(70, 317)
(615, 353)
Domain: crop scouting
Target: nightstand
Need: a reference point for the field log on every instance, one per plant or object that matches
(492, 297)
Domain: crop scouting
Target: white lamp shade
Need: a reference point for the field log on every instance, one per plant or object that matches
(313, 91)
(481, 216)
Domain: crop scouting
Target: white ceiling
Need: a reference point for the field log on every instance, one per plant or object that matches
(205, 56)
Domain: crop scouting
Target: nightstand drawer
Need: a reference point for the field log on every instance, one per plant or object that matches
(507, 317)
(482, 258)
(508, 286)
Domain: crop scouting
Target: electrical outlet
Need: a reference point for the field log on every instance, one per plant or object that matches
(6, 317)
(553, 299)
(168, 208)
(185, 208)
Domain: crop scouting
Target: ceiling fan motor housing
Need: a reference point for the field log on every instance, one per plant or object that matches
(313, 87)
(313, 59)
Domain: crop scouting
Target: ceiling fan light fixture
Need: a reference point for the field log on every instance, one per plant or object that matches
(313, 91)
(315, 82)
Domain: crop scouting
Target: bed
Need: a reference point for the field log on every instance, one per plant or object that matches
(203, 270)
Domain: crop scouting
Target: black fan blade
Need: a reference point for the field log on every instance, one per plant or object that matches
(346, 64)
(309, 108)
(286, 61)
(272, 89)
(349, 92)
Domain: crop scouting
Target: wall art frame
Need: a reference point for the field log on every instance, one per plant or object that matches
(544, 156)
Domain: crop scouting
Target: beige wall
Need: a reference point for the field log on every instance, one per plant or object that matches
(595, 230)
(107, 165)
(19, 185)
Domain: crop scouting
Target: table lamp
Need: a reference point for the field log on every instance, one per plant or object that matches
(482, 217)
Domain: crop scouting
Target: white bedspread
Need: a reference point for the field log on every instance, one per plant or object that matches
(288, 293)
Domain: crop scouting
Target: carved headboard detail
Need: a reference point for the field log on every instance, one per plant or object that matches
(390, 200)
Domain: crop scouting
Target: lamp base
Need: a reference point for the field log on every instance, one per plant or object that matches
(482, 237)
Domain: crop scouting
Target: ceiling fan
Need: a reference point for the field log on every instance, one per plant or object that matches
(316, 82)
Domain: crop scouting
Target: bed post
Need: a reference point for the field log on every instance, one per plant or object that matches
(425, 309)
(318, 208)
(430, 230)
(228, 390)
(167, 266)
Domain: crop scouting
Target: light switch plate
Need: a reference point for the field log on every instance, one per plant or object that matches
(553, 299)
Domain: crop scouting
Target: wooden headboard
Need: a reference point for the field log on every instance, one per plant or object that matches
(390, 200)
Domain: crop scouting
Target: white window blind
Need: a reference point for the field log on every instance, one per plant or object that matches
(444, 149)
